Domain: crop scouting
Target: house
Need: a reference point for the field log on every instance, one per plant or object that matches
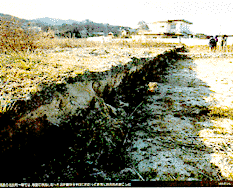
(169, 28)
(125, 31)
(201, 36)
(84, 33)
(97, 34)
(110, 34)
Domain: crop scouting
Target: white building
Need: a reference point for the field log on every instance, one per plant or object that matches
(172, 28)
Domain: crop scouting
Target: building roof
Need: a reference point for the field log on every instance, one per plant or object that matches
(180, 21)
(174, 21)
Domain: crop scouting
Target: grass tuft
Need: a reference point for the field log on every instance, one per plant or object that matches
(221, 112)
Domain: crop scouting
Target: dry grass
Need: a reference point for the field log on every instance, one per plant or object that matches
(221, 112)
(51, 43)
(139, 44)
(48, 43)
(206, 49)
(25, 61)
(14, 38)
(197, 48)
(22, 72)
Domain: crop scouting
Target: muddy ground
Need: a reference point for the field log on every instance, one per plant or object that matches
(181, 140)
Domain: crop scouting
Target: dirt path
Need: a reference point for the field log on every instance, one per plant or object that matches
(181, 140)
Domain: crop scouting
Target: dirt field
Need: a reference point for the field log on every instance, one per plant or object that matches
(188, 135)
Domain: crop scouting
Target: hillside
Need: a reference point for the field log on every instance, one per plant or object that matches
(8, 17)
(53, 21)
(63, 26)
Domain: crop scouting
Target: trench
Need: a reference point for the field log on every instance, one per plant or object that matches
(90, 144)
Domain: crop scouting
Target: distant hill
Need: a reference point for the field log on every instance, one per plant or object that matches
(8, 17)
(40, 21)
(64, 26)
(52, 21)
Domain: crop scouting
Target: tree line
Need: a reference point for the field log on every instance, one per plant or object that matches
(86, 28)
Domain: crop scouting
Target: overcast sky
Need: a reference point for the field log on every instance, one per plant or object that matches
(209, 17)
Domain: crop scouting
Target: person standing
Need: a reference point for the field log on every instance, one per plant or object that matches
(225, 43)
(221, 43)
(212, 43)
(216, 42)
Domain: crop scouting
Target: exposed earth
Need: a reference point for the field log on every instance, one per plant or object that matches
(180, 139)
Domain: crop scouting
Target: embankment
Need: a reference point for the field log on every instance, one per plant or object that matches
(75, 130)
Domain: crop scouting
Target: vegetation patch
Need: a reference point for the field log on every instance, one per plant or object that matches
(221, 112)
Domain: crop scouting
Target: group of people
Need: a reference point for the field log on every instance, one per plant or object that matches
(213, 43)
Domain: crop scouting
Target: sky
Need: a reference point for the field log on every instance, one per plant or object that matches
(208, 17)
